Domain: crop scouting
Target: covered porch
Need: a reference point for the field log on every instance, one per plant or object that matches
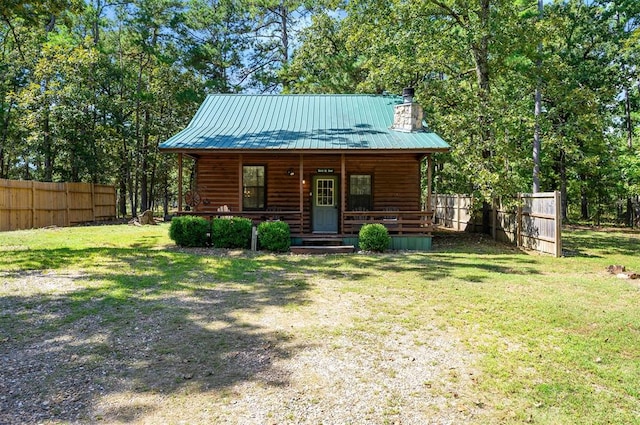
(320, 196)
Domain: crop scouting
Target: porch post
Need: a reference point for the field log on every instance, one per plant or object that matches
(301, 204)
(343, 191)
(180, 182)
(240, 187)
(429, 182)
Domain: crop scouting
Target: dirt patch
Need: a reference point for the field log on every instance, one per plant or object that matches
(229, 353)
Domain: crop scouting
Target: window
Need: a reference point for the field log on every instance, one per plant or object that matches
(360, 192)
(253, 187)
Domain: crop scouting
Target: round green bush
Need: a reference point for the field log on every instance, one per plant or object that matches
(233, 232)
(374, 237)
(274, 236)
(189, 230)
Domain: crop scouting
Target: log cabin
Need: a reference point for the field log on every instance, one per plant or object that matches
(325, 164)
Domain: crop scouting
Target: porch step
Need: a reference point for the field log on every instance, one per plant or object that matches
(323, 249)
(322, 241)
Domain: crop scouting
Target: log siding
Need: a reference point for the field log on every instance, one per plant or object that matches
(395, 185)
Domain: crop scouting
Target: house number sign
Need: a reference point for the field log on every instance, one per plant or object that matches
(325, 170)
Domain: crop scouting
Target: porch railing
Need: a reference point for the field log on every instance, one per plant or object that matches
(397, 222)
(292, 217)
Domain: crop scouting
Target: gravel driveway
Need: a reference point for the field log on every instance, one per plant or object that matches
(309, 353)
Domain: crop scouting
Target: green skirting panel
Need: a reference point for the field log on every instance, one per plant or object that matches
(411, 243)
(400, 243)
(353, 240)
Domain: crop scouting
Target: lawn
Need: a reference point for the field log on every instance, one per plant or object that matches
(114, 324)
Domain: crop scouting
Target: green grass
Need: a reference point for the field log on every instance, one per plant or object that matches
(554, 341)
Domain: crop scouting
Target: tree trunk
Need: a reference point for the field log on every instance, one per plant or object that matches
(537, 144)
(144, 164)
(47, 146)
(4, 171)
(480, 52)
(165, 198)
(628, 120)
(152, 180)
(563, 184)
(122, 200)
(584, 200)
(133, 199)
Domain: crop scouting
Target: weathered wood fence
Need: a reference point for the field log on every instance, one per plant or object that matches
(30, 204)
(536, 222)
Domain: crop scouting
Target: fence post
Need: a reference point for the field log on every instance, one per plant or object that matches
(33, 204)
(115, 202)
(457, 212)
(93, 202)
(519, 220)
(254, 238)
(558, 220)
(66, 201)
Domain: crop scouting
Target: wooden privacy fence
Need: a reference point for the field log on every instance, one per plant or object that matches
(536, 222)
(30, 204)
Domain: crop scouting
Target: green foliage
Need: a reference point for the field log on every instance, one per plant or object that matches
(189, 231)
(374, 237)
(274, 236)
(322, 64)
(88, 95)
(234, 232)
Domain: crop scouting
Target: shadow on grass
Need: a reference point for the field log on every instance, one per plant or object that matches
(477, 260)
(146, 321)
(597, 244)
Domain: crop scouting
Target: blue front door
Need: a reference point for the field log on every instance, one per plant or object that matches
(325, 204)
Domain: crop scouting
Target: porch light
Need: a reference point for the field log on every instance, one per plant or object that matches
(290, 172)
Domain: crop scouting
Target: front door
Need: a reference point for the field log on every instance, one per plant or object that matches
(325, 204)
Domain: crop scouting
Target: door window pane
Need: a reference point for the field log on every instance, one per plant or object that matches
(324, 193)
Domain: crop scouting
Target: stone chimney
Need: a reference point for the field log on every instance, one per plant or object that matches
(407, 116)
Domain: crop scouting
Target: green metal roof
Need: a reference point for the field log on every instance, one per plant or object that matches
(299, 122)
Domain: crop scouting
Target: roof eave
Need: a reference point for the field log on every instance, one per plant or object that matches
(303, 151)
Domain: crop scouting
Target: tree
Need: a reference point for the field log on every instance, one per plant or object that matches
(580, 88)
(274, 24)
(460, 56)
(214, 39)
(322, 63)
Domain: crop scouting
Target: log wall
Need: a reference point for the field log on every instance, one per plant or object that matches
(395, 180)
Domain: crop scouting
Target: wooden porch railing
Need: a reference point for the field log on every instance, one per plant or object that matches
(397, 222)
(291, 217)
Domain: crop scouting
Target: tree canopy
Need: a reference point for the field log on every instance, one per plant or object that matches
(89, 88)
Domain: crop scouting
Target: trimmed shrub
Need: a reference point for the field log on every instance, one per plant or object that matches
(234, 232)
(274, 236)
(189, 230)
(374, 237)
